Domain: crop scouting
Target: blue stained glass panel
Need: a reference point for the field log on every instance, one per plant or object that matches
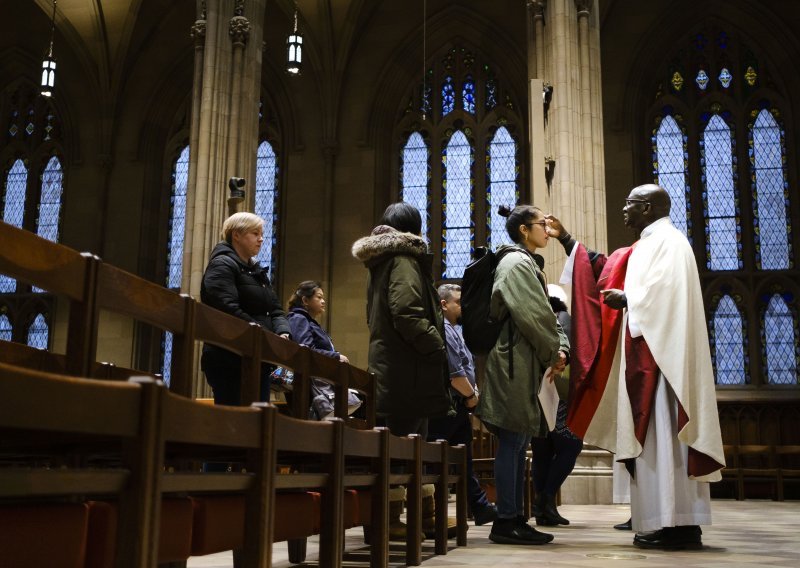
(14, 209)
(468, 94)
(702, 79)
(779, 336)
(166, 366)
(671, 174)
(177, 219)
(448, 96)
(772, 237)
(503, 172)
(175, 238)
(5, 328)
(38, 333)
(267, 204)
(50, 201)
(729, 343)
(414, 182)
(457, 204)
(723, 244)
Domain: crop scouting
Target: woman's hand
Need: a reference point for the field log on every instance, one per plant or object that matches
(559, 366)
(472, 401)
(343, 358)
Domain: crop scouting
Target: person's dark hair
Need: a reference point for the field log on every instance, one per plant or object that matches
(520, 215)
(557, 304)
(305, 289)
(404, 217)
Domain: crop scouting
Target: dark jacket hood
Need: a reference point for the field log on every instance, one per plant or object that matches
(386, 241)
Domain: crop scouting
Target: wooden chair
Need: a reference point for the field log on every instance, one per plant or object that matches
(755, 463)
(50, 424)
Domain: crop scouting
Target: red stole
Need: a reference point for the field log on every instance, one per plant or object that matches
(595, 333)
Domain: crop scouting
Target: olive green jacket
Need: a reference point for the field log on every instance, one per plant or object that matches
(406, 327)
(534, 337)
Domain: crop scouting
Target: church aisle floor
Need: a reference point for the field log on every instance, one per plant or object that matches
(745, 534)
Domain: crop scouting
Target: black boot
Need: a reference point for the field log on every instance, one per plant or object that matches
(550, 516)
(538, 504)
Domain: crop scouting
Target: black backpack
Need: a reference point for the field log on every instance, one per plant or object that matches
(479, 330)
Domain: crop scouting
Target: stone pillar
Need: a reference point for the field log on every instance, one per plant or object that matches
(227, 86)
(566, 44)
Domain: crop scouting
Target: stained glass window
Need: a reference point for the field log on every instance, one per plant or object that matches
(448, 96)
(50, 201)
(266, 196)
(14, 209)
(502, 172)
(5, 328)
(728, 345)
(771, 191)
(702, 79)
(725, 77)
(468, 94)
(414, 174)
(38, 333)
(670, 157)
(457, 204)
(175, 238)
(723, 225)
(780, 342)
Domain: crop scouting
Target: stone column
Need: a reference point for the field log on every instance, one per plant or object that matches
(566, 45)
(226, 90)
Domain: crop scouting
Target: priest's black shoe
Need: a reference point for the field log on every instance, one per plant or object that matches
(626, 526)
(671, 538)
(510, 531)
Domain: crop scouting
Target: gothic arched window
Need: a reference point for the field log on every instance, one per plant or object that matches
(16, 182)
(457, 237)
(502, 188)
(415, 173)
(175, 239)
(768, 165)
(266, 203)
(5, 328)
(32, 193)
(727, 341)
(718, 146)
(468, 114)
(718, 176)
(780, 341)
(670, 168)
(38, 333)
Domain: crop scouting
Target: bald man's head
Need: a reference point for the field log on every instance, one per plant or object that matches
(646, 204)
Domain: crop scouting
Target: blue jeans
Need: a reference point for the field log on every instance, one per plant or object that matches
(509, 472)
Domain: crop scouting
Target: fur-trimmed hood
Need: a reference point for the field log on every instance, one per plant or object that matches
(386, 241)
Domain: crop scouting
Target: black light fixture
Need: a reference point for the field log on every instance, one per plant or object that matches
(49, 62)
(294, 49)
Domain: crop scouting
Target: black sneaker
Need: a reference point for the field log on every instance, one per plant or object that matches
(509, 531)
(484, 515)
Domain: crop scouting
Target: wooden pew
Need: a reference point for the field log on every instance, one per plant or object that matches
(58, 420)
(62, 271)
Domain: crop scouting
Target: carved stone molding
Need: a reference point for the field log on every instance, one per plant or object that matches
(538, 7)
(584, 7)
(239, 30)
(198, 32)
(238, 8)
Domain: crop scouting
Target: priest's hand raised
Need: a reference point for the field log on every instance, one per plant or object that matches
(554, 227)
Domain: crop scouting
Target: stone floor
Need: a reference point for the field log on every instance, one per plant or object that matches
(745, 534)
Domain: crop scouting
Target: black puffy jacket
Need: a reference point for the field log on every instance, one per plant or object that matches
(242, 290)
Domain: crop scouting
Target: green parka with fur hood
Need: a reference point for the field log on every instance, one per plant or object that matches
(406, 329)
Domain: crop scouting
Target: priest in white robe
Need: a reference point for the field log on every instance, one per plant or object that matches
(642, 384)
